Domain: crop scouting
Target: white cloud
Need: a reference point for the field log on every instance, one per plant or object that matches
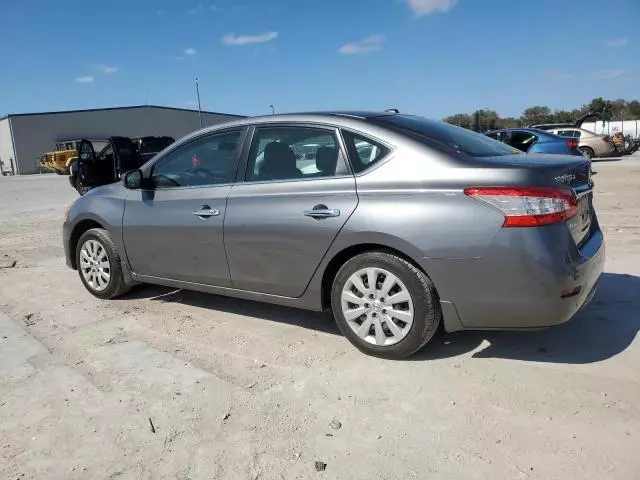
(426, 7)
(557, 76)
(195, 10)
(369, 44)
(160, 13)
(190, 51)
(214, 8)
(240, 40)
(106, 69)
(85, 79)
(620, 42)
(616, 72)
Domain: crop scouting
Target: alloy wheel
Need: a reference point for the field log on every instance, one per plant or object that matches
(95, 265)
(377, 306)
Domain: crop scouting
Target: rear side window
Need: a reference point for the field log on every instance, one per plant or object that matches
(289, 153)
(521, 140)
(363, 152)
(569, 133)
(444, 135)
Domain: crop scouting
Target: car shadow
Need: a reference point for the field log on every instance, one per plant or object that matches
(605, 328)
(319, 321)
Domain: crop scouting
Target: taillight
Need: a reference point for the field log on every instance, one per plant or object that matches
(528, 206)
(606, 139)
(572, 144)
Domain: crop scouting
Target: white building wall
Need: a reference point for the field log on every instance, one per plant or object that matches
(628, 127)
(6, 144)
(36, 134)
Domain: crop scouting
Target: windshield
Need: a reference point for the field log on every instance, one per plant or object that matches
(454, 138)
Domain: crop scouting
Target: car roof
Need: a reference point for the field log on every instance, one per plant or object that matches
(535, 131)
(519, 129)
(340, 118)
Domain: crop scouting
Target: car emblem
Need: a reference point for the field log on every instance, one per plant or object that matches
(565, 178)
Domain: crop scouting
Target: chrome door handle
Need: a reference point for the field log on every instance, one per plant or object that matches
(322, 213)
(206, 211)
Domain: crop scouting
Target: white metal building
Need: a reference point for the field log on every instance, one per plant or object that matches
(25, 137)
(627, 127)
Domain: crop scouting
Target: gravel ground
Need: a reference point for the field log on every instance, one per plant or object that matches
(174, 384)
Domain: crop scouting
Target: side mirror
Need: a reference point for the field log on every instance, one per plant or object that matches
(133, 180)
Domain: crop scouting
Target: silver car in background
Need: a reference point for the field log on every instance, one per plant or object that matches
(394, 223)
(590, 144)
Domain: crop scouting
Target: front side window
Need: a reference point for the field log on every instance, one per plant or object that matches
(211, 160)
(363, 152)
(288, 153)
(445, 135)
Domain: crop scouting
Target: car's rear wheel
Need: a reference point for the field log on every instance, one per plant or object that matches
(587, 152)
(385, 305)
(99, 264)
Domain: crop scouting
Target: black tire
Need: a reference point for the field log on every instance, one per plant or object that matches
(587, 152)
(116, 285)
(426, 307)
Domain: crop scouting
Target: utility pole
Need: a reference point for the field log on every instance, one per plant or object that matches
(273, 110)
(199, 106)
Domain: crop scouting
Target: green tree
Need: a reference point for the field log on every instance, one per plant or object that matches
(634, 109)
(536, 115)
(461, 120)
(509, 122)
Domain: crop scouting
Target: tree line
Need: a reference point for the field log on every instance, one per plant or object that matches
(609, 110)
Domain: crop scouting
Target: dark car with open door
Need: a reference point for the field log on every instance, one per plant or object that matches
(119, 155)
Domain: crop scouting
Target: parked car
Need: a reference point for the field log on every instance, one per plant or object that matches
(531, 140)
(118, 155)
(589, 143)
(432, 225)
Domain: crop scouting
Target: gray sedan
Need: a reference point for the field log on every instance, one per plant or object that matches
(394, 223)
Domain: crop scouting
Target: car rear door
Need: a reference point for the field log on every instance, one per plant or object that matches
(297, 194)
(174, 229)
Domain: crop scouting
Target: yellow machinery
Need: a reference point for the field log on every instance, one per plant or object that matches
(60, 159)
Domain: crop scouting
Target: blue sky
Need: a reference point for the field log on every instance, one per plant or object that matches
(430, 57)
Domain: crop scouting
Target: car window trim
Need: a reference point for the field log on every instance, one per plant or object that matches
(365, 136)
(241, 178)
(148, 170)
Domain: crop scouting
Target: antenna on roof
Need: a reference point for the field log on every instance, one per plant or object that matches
(392, 110)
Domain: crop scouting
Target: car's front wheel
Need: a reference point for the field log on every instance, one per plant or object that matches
(99, 264)
(385, 305)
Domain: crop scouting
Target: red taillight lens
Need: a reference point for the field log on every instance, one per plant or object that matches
(572, 144)
(606, 139)
(528, 206)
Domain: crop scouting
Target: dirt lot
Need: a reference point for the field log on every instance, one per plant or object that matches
(172, 384)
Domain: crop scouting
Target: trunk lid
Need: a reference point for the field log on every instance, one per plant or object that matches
(560, 171)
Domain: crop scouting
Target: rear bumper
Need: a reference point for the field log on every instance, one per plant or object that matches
(521, 279)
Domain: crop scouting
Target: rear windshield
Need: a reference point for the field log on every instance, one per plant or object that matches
(443, 134)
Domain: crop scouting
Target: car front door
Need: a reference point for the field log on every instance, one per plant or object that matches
(297, 194)
(174, 228)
